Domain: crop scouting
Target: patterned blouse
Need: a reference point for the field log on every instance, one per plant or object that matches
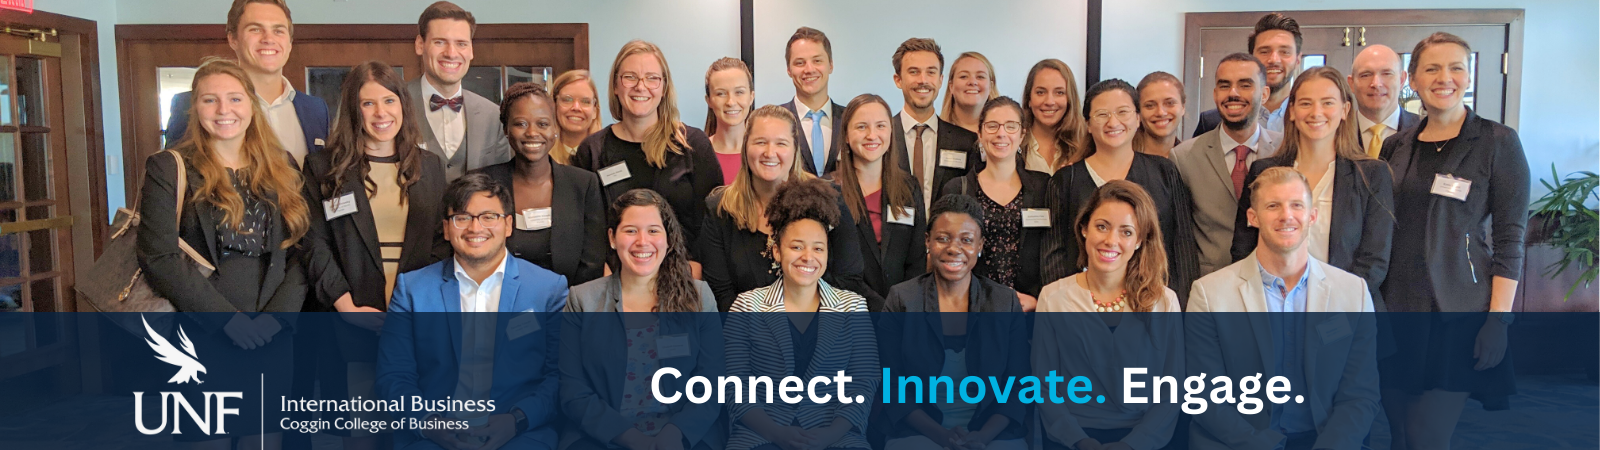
(250, 238)
(1002, 237)
(638, 404)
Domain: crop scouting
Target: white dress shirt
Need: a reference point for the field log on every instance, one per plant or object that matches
(286, 123)
(449, 126)
(475, 380)
(930, 150)
(801, 110)
(1228, 145)
(1391, 126)
(1032, 160)
(1322, 195)
(484, 297)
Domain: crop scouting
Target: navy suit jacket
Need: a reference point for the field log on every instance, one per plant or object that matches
(802, 138)
(312, 111)
(419, 354)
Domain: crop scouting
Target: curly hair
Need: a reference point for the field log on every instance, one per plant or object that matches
(799, 200)
(957, 204)
(675, 289)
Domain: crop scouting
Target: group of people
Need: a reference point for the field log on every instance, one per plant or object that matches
(1302, 192)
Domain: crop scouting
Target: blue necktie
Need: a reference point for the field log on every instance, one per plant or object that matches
(818, 154)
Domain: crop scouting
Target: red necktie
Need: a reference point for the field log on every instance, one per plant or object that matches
(439, 102)
(1239, 153)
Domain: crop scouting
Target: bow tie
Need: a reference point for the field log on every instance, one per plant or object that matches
(439, 102)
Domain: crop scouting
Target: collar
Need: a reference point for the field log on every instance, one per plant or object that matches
(1228, 143)
(1393, 121)
(287, 97)
(499, 270)
(909, 123)
(800, 108)
(428, 91)
(1272, 281)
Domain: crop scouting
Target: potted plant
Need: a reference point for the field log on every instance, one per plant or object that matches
(1567, 223)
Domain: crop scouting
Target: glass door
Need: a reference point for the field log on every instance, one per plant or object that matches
(35, 217)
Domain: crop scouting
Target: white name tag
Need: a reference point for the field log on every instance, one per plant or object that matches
(954, 159)
(533, 219)
(1452, 187)
(907, 216)
(339, 207)
(1333, 329)
(676, 346)
(1035, 218)
(522, 324)
(614, 173)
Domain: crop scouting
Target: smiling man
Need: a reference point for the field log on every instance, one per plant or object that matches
(1276, 43)
(933, 150)
(1214, 164)
(460, 126)
(261, 35)
(809, 58)
(1377, 79)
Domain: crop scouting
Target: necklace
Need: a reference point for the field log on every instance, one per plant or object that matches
(1440, 146)
(1112, 306)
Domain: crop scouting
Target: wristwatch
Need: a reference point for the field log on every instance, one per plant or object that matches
(522, 419)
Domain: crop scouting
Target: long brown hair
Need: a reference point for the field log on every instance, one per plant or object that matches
(948, 112)
(1146, 279)
(1069, 132)
(345, 140)
(668, 132)
(1346, 139)
(725, 63)
(895, 182)
(739, 199)
(675, 289)
(267, 171)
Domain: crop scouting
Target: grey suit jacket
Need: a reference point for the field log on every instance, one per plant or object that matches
(1340, 355)
(1200, 161)
(484, 142)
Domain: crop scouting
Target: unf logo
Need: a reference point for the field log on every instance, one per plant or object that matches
(189, 369)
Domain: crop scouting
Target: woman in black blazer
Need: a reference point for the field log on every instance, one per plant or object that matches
(1014, 199)
(1355, 208)
(243, 216)
(1443, 258)
(734, 241)
(880, 192)
(991, 342)
(559, 224)
(1071, 187)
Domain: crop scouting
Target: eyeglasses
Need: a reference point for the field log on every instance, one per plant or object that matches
(994, 127)
(486, 220)
(651, 81)
(1123, 115)
(568, 100)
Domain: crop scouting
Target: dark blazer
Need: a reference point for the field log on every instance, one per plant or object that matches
(951, 137)
(1362, 224)
(578, 227)
(171, 275)
(594, 365)
(1035, 188)
(733, 260)
(902, 254)
(1209, 119)
(1408, 120)
(354, 237)
(1490, 155)
(913, 345)
(802, 138)
(483, 140)
(1070, 189)
(685, 181)
(312, 111)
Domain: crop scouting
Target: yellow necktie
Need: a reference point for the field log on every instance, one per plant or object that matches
(1376, 144)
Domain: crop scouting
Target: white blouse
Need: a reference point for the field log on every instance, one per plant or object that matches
(1322, 195)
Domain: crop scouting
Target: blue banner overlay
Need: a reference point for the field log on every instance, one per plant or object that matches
(800, 381)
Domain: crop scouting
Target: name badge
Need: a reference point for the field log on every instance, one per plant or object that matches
(339, 207)
(1450, 186)
(1333, 329)
(614, 173)
(533, 219)
(524, 323)
(907, 216)
(954, 159)
(676, 346)
(1035, 218)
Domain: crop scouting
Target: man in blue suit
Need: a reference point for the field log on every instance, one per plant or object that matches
(478, 327)
(261, 35)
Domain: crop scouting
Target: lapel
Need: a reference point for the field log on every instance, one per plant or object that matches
(1210, 148)
(1468, 134)
(207, 215)
(833, 149)
(450, 298)
(770, 312)
(566, 240)
(1318, 295)
(419, 235)
(932, 317)
(899, 145)
(302, 110)
(422, 125)
(477, 118)
(1254, 299)
(365, 223)
(1346, 200)
(509, 286)
(275, 257)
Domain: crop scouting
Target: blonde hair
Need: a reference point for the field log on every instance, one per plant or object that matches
(1276, 176)
(739, 199)
(719, 65)
(267, 172)
(947, 112)
(668, 132)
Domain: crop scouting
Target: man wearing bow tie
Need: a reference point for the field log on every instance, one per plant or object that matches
(461, 127)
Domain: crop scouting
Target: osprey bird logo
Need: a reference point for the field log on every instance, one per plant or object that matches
(189, 368)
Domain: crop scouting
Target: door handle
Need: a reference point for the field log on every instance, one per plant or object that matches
(1363, 39)
(1346, 36)
(35, 225)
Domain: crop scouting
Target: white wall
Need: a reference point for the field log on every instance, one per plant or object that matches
(1559, 119)
(1012, 34)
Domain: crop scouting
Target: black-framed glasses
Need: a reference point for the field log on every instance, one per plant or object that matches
(651, 81)
(486, 220)
(994, 127)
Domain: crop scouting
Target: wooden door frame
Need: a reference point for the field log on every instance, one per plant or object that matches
(1511, 18)
(127, 36)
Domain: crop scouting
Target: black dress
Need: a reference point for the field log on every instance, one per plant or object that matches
(685, 179)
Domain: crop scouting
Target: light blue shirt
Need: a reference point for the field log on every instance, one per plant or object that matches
(1288, 346)
(1274, 119)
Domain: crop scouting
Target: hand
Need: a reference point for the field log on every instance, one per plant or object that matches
(979, 439)
(823, 437)
(500, 429)
(1490, 347)
(1116, 446)
(670, 438)
(1029, 302)
(362, 316)
(447, 439)
(1089, 444)
(268, 326)
(791, 438)
(244, 333)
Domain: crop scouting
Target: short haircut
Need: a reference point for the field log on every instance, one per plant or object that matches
(1280, 22)
(460, 192)
(1276, 176)
(808, 34)
(957, 204)
(517, 92)
(1432, 40)
(237, 11)
(1261, 69)
(445, 10)
(917, 45)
